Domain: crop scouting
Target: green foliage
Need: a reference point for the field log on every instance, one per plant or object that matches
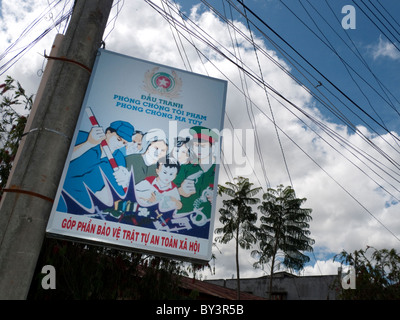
(284, 230)
(12, 124)
(377, 274)
(237, 215)
(82, 271)
(284, 227)
(87, 272)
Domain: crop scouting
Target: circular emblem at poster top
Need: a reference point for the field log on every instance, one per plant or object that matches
(167, 84)
(163, 82)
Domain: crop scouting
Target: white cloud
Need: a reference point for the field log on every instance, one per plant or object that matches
(385, 48)
(339, 222)
(321, 267)
(21, 23)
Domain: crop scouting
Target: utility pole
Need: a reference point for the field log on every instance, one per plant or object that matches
(28, 198)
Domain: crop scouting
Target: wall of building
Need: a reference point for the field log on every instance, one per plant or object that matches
(286, 286)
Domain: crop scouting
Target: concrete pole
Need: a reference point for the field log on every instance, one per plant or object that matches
(26, 205)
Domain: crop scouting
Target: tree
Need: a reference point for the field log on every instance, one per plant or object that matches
(238, 217)
(83, 271)
(284, 229)
(377, 274)
(12, 124)
(87, 272)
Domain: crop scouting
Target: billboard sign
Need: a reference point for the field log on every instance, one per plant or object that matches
(142, 169)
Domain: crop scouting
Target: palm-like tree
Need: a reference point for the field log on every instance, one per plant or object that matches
(238, 217)
(284, 228)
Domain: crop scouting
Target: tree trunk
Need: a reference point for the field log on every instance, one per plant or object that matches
(272, 269)
(237, 265)
(270, 278)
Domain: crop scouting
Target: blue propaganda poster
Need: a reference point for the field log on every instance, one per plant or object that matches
(142, 168)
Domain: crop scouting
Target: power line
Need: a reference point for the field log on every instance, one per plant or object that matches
(255, 78)
(373, 22)
(114, 19)
(300, 110)
(348, 67)
(332, 108)
(350, 124)
(202, 36)
(60, 18)
(269, 103)
(357, 53)
(388, 13)
(315, 69)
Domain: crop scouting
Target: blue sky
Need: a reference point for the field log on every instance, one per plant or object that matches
(310, 27)
(355, 199)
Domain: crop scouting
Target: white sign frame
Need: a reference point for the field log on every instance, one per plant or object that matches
(153, 98)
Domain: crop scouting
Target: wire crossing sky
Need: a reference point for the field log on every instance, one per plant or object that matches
(321, 100)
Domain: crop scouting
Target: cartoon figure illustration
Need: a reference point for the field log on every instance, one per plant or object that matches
(154, 147)
(160, 189)
(96, 156)
(141, 168)
(136, 145)
(181, 150)
(195, 180)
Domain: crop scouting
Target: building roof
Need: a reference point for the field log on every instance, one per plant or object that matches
(286, 286)
(208, 290)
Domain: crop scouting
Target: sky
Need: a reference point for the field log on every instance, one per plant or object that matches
(326, 121)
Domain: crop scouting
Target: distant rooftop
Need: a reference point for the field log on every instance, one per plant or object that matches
(286, 286)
